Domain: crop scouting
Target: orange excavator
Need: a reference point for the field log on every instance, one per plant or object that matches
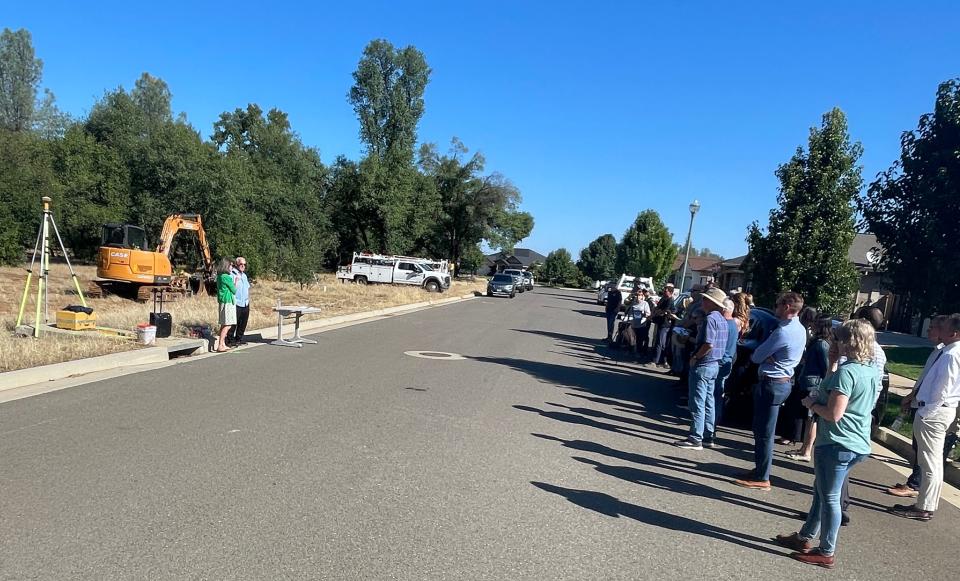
(125, 266)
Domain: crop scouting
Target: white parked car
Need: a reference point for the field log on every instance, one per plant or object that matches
(626, 285)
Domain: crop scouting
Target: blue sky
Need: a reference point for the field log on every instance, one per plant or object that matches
(596, 111)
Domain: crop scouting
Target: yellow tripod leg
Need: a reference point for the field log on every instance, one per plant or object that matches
(79, 292)
(23, 301)
(36, 321)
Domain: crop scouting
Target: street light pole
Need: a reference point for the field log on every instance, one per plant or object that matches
(694, 207)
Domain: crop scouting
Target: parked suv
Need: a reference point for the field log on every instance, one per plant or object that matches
(526, 279)
(502, 284)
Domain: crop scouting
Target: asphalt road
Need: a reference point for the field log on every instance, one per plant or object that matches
(538, 455)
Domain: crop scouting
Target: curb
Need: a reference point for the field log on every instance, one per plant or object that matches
(901, 445)
(161, 354)
(43, 373)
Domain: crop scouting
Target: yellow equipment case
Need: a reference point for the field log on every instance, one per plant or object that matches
(76, 321)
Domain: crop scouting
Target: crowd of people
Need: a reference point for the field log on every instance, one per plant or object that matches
(824, 375)
(233, 296)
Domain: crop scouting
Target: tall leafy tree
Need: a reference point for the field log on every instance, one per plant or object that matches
(387, 97)
(26, 175)
(646, 248)
(472, 207)
(598, 261)
(20, 72)
(558, 268)
(286, 189)
(806, 244)
(153, 98)
(914, 209)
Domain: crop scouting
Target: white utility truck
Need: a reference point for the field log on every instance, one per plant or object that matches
(382, 268)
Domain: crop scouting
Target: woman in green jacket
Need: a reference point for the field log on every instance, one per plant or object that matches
(226, 291)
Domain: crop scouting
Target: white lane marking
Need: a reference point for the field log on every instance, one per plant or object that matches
(440, 355)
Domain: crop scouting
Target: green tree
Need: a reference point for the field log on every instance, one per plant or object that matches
(647, 248)
(558, 268)
(26, 175)
(20, 73)
(471, 260)
(387, 97)
(153, 98)
(472, 207)
(914, 209)
(286, 189)
(806, 244)
(598, 261)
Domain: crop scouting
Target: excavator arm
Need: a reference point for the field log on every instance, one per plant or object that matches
(177, 222)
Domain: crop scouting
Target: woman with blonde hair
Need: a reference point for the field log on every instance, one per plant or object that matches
(741, 313)
(842, 406)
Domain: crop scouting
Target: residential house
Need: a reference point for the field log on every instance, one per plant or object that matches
(521, 258)
(700, 270)
(730, 274)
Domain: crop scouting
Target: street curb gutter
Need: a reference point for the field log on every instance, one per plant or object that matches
(901, 445)
(33, 375)
(135, 359)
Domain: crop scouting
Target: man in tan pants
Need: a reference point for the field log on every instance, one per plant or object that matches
(937, 397)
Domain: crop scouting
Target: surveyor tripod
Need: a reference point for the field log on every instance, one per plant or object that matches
(42, 248)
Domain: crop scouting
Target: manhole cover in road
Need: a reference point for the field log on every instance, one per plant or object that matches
(434, 355)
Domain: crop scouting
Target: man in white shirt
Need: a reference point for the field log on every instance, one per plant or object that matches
(937, 397)
(909, 404)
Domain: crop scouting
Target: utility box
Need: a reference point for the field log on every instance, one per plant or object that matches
(76, 321)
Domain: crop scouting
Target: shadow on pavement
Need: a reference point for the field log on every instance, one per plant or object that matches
(614, 507)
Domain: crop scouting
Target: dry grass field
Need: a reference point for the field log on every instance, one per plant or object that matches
(328, 294)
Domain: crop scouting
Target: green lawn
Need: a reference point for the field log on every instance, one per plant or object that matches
(893, 409)
(906, 361)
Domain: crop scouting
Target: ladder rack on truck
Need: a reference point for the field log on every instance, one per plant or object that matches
(368, 268)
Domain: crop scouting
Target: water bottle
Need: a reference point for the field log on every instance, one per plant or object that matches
(814, 393)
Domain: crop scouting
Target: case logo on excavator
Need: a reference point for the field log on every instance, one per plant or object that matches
(115, 254)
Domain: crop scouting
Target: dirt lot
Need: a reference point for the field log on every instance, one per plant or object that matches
(327, 293)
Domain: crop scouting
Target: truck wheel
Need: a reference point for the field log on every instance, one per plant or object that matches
(432, 286)
(361, 280)
(513, 295)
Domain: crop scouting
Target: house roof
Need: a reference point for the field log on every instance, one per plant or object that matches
(861, 245)
(524, 256)
(733, 262)
(696, 263)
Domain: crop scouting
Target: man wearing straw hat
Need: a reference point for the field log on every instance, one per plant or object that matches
(704, 366)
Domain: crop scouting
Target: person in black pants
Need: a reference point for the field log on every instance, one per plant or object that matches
(240, 280)
(614, 300)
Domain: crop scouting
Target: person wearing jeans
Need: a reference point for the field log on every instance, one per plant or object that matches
(726, 364)
(937, 398)
(777, 358)
(704, 367)
(664, 316)
(843, 407)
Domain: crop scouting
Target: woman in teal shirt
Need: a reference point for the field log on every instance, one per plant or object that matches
(843, 405)
(226, 293)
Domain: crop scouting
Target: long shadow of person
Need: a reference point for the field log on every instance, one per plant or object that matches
(576, 419)
(683, 486)
(614, 507)
(657, 480)
(652, 426)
